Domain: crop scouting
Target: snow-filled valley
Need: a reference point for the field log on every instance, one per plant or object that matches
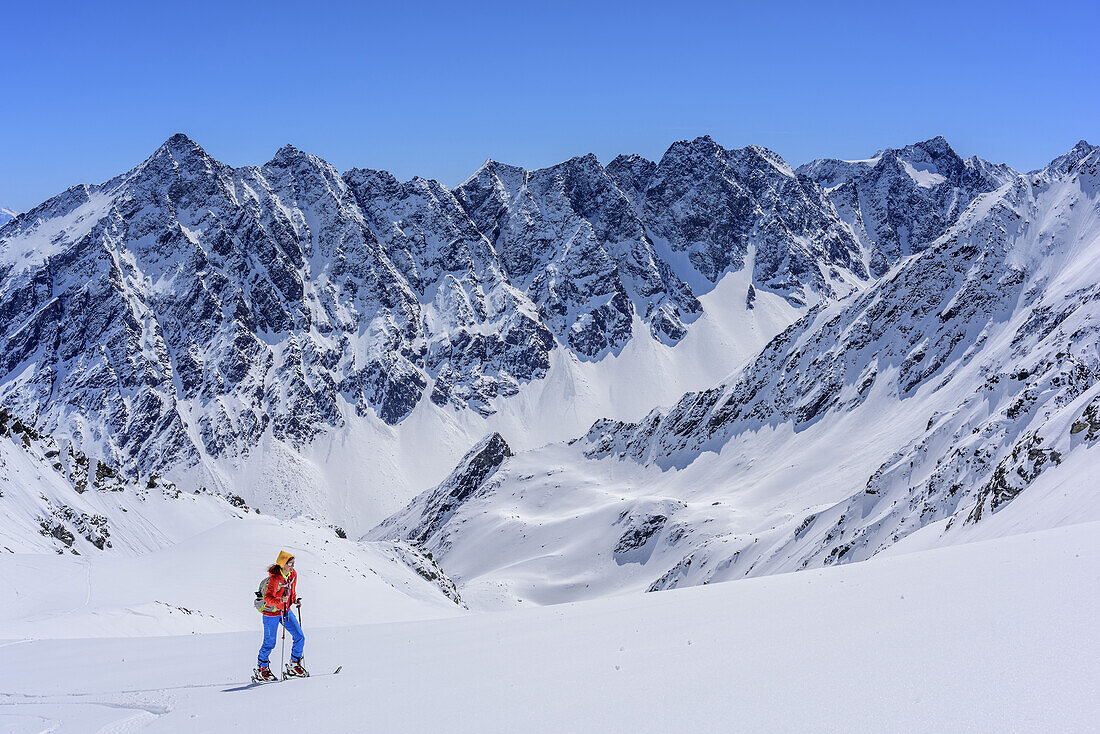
(488, 420)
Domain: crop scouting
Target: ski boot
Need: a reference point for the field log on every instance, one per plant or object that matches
(263, 675)
(295, 670)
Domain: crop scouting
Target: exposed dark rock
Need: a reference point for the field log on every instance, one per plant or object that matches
(430, 511)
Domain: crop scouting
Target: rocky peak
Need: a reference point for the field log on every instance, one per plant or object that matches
(289, 160)
(1063, 163)
(685, 152)
(936, 147)
(426, 516)
(757, 157)
(178, 153)
(181, 146)
(718, 205)
(901, 200)
(632, 174)
(287, 155)
(496, 173)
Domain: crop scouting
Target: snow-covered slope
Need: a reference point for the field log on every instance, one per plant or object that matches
(329, 345)
(204, 365)
(85, 553)
(58, 501)
(278, 331)
(993, 636)
(961, 378)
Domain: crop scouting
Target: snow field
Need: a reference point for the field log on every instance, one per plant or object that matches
(988, 636)
(205, 584)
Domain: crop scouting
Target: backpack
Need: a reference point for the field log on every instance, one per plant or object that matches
(259, 601)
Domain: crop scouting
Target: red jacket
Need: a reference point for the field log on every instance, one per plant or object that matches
(279, 593)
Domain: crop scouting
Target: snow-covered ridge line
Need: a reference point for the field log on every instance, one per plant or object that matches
(927, 405)
(231, 326)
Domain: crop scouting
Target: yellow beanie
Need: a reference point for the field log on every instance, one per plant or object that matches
(283, 558)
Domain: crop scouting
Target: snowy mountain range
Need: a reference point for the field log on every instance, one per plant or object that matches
(210, 323)
(850, 353)
(6, 215)
(968, 374)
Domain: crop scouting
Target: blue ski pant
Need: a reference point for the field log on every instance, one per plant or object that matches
(271, 632)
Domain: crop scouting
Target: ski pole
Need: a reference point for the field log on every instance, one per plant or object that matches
(282, 653)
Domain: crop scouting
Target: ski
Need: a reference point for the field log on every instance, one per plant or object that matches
(257, 684)
(312, 675)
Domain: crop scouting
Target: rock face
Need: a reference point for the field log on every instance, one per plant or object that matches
(994, 325)
(186, 308)
(571, 239)
(936, 397)
(719, 206)
(421, 522)
(899, 201)
(481, 334)
(180, 313)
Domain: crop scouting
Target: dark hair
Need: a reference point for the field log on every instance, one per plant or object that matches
(275, 568)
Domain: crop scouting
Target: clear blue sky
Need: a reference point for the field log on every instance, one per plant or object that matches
(433, 89)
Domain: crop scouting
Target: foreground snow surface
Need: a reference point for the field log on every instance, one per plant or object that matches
(997, 635)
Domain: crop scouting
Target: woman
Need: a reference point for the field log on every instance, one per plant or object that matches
(278, 593)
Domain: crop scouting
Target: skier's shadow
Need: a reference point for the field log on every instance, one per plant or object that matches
(244, 687)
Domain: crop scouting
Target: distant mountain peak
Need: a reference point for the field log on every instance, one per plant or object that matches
(899, 201)
(702, 145)
(289, 154)
(178, 153)
(179, 145)
(937, 143)
(1068, 160)
(628, 158)
(492, 167)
